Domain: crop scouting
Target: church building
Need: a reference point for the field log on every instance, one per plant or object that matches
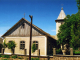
(20, 33)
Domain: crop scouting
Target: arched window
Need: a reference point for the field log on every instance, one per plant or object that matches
(22, 44)
(36, 43)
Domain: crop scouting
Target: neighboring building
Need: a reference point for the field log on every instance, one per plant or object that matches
(1, 40)
(20, 33)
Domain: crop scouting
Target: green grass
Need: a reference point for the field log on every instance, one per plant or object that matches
(0, 55)
(15, 56)
(5, 56)
(34, 58)
(77, 52)
(20, 57)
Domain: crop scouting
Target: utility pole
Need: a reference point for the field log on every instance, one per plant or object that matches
(30, 37)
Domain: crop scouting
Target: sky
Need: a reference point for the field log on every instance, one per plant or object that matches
(44, 13)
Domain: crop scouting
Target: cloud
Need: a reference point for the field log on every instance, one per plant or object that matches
(53, 30)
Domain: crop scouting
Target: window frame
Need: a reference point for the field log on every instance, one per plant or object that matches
(23, 45)
(36, 44)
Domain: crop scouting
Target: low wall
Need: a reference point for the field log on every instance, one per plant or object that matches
(66, 57)
(40, 57)
(54, 57)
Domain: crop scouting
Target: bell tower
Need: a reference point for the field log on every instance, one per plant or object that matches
(60, 20)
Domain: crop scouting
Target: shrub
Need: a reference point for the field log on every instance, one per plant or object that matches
(11, 45)
(76, 52)
(5, 59)
(1, 45)
(33, 48)
(20, 57)
(58, 51)
(15, 56)
(0, 55)
(34, 58)
(4, 44)
(5, 56)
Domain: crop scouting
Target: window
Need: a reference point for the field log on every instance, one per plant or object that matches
(22, 44)
(36, 44)
(10, 41)
(23, 25)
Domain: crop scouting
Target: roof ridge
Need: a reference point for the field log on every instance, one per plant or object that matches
(32, 25)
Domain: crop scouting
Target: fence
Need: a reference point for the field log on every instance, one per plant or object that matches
(54, 57)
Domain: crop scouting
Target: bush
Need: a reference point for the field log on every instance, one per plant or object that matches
(4, 44)
(58, 51)
(34, 58)
(11, 45)
(20, 57)
(15, 56)
(33, 48)
(0, 55)
(5, 59)
(5, 56)
(76, 52)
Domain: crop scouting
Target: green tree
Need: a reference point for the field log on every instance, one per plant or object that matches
(69, 32)
(4, 44)
(78, 4)
(33, 48)
(11, 45)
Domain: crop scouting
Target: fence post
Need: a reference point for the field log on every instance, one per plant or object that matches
(38, 52)
(54, 51)
(24, 51)
(71, 51)
(2, 50)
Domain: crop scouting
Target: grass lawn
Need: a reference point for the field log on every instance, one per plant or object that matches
(14, 57)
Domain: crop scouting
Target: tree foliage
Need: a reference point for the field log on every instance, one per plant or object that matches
(78, 4)
(11, 45)
(4, 44)
(33, 48)
(69, 32)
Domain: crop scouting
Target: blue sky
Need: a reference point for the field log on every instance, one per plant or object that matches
(44, 12)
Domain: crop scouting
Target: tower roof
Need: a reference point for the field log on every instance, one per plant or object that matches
(61, 15)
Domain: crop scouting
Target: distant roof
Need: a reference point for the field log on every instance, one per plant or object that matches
(1, 38)
(61, 15)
